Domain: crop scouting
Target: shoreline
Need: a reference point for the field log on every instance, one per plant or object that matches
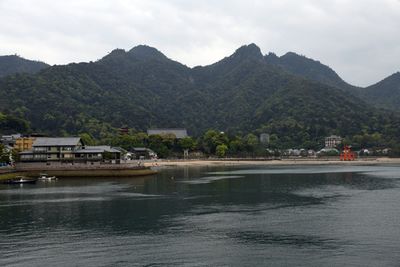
(151, 167)
(79, 172)
(283, 162)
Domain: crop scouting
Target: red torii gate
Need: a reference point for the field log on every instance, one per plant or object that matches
(347, 154)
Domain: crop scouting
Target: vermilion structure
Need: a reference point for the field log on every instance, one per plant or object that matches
(347, 154)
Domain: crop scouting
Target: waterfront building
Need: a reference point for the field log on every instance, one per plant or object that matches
(142, 153)
(332, 141)
(68, 149)
(98, 153)
(179, 133)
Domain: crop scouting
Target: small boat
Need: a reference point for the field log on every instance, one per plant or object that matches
(45, 177)
(20, 180)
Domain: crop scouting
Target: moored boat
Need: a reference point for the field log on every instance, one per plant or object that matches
(45, 177)
(20, 180)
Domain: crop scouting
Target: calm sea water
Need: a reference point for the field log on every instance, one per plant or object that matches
(208, 216)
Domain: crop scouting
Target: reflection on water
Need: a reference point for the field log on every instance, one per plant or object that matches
(209, 179)
(202, 216)
(301, 241)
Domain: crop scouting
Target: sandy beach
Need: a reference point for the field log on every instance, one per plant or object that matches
(214, 162)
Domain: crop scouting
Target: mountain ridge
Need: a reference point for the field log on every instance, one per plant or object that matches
(240, 93)
(12, 64)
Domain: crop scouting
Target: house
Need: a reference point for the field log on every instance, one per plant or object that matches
(68, 149)
(9, 140)
(98, 153)
(143, 153)
(179, 133)
(332, 141)
(24, 143)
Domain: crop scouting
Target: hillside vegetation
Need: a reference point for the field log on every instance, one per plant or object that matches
(243, 93)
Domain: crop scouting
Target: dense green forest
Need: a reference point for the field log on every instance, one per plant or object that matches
(384, 94)
(13, 124)
(245, 93)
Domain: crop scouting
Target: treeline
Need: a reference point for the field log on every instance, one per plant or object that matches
(211, 143)
(222, 144)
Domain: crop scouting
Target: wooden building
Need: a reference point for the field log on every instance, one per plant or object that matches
(68, 149)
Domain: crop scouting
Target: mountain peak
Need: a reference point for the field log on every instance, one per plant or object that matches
(292, 54)
(146, 52)
(248, 51)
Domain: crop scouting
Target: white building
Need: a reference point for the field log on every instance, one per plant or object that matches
(264, 138)
(332, 141)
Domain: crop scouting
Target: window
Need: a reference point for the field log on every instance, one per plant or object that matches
(39, 149)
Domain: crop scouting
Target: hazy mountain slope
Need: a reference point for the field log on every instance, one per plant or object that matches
(14, 64)
(386, 93)
(309, 69)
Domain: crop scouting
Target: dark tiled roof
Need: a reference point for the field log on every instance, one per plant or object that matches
(179, 133)
(139, 149)
(97, 149)
(56, 141)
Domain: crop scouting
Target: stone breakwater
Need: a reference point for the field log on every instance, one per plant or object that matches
(78, 170)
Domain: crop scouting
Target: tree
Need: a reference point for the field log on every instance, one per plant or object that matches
(236, 145)
(11, 123)
(4, 154)
(212, 139)
(187, 143)
(156, 144)
(168, 140)
(220, 151)
(87, 139)
(251, 142)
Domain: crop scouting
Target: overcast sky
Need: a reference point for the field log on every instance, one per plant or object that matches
(359, 39)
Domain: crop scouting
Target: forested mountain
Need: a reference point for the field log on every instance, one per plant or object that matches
(14, 64)
(142, 88)
(309, 69)
(385, 93)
